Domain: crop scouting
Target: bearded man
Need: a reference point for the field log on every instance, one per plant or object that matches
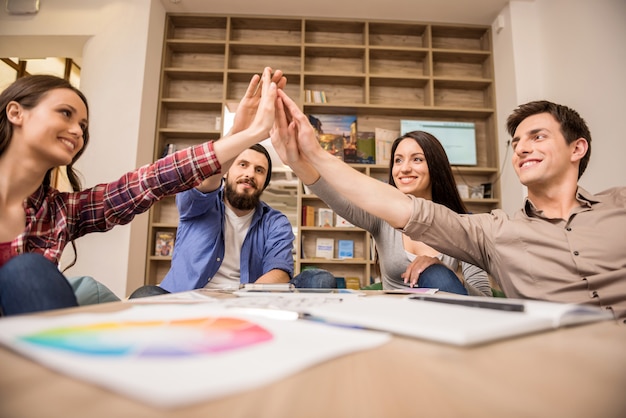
(227, 236)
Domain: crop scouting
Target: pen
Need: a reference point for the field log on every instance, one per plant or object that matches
(473, 303)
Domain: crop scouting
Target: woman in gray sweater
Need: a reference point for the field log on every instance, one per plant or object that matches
(419, 166)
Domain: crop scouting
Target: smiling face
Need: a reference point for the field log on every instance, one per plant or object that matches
(53, 129)
(410, 169)
(541, 156)
(245, 179)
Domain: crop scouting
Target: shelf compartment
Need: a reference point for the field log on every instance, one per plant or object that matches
(338, 89)
(165, 213)
(256, 57)
(193, 85)
(309, 235)
(159, 267)
(339, 268)
(191, 116)
(334, 32)
(196, 27)
(397, 35)
(272, 31)
(385, 62)
(462, 38)
(238, 81)
(462, 65)
(182, 141)
(344, 60)
(200, 55)
(399, 91)
(462, 93)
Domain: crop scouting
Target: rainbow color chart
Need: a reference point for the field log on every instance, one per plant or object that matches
(153, 338)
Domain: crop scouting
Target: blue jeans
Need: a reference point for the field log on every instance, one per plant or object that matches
(309, 279)
(441, 277)
(314, 279)
(31, 283)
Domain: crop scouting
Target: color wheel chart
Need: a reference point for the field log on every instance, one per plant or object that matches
(153, 338)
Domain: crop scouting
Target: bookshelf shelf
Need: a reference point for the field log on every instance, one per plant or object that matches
(380, 71)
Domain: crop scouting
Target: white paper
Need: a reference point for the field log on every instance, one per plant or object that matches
(195, 376)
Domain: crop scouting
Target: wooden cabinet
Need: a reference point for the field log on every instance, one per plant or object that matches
(380, 71)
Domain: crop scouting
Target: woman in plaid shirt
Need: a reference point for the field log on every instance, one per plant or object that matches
(44, 125)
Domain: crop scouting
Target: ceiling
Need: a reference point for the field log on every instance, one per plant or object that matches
(481, 12)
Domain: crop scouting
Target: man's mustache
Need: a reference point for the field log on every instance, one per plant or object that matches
(251, 182)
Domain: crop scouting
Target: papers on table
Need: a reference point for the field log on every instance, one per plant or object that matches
(178, 349)
(174, 355)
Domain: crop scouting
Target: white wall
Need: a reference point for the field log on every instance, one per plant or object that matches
(120, 70)
(567, 51)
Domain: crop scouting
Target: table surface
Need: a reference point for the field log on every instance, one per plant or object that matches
(570, 372)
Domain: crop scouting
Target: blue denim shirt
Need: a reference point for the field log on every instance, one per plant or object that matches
(199, 246)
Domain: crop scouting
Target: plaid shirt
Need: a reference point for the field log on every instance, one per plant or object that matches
(53, 219)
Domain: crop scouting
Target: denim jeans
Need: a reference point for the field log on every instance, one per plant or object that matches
(314, 279)
(31, 283)
(441, 277)
(309, 279)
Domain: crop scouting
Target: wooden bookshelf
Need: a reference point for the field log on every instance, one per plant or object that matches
(381, 71)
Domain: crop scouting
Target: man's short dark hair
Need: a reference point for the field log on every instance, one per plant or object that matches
(260, 148)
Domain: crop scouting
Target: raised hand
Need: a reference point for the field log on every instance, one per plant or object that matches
(247, 107)
(308, 144)
(263, 120)
(259, 128)
(285, 141)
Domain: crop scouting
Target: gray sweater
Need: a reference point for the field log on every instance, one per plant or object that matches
(393, 258)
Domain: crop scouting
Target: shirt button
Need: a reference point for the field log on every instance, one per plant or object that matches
(568, 229)
(576, 253)
(594, 294)
(219, 259)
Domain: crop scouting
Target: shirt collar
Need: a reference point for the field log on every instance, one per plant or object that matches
(585, 199)
(36, 199)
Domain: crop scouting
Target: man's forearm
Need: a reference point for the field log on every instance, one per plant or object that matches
(274, 276)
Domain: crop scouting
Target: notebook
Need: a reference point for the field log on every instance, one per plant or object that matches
(452, 323)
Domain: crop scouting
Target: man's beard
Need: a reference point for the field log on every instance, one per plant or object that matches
(242, 201)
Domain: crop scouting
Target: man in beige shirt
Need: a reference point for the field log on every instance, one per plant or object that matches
(564, 245)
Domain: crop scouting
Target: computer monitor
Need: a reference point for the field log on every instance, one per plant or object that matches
(458, 138)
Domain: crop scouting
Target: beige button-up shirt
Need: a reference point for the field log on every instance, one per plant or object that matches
(578, 260)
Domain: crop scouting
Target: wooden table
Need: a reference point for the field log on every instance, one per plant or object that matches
(572, 372)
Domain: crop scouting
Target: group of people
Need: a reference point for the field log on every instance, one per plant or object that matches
(564, 245)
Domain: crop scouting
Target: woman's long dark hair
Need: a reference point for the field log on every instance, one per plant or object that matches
(28, 92)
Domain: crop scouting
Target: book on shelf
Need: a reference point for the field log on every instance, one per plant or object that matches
(335, 132)
(384, 139)
(345, 248)
(325, 217)
(308, 215)
(353, 283)
(342, 222)
(366, 147)
(315, 96)
(487, 194)
(168, 149)
(164, 243)
(324, 248)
